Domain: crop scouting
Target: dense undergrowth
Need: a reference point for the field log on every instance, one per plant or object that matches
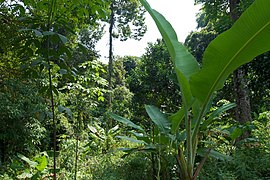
(250, 159)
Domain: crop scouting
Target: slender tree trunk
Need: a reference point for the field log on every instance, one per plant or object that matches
(77, 145)
(243, 111)
(50, 20)
(110, 66)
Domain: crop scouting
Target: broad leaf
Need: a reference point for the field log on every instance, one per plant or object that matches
(185, 88)
(114, 129)
(213, 154)
(158, 118)
(147, 148)
(141, 137)
(144, 148)
(42, 163)
(176, 120)
(93, 129)
(37, 33)
(63, 71)
(184, 62)
(163, 139)
(31, 163)
(248, 38)
(48, 33)
(237, 132)
(131, 139)
(126, 121)
(216, 113)
(63, 38)
(62, 109)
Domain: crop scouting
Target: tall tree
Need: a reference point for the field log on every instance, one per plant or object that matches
(126, 21)
(243, 111)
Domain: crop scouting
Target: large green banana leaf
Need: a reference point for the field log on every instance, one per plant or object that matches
(184, 62)
(248, 38)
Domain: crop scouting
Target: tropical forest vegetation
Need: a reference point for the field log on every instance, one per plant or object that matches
(193, 110)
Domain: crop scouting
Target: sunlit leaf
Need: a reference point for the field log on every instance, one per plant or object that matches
(42, 163)
(31, 163)
(25, 175)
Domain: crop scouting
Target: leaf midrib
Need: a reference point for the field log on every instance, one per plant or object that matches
(236, 54)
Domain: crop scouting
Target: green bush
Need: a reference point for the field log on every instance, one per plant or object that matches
(22, 119)
(94, 164)
(251, 157)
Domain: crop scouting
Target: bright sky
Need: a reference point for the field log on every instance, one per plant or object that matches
(180, 13)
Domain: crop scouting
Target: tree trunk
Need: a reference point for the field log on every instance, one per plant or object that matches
(110, 66)
(243, 111)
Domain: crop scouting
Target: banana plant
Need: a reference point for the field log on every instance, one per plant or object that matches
(36, 168)
(246, 39)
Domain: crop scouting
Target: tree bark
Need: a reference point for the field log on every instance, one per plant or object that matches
(110, 66)
(243, 110)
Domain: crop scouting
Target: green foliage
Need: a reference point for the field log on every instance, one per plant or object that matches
(132, 167)
(158, 118)
(126, 122)
(247, 164)
(21, 167)
(148, 90)
(129, 19)
(101, 139)
(155, 146)
(262, 131)
(215, 19)
(35, 168)
(198, 41)
(258, 72)
(122, 98)
(250, 161)
(251, 44)
(214, 15)
(95, 164)
(224, 54)
(23, 118)
(39, 37)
